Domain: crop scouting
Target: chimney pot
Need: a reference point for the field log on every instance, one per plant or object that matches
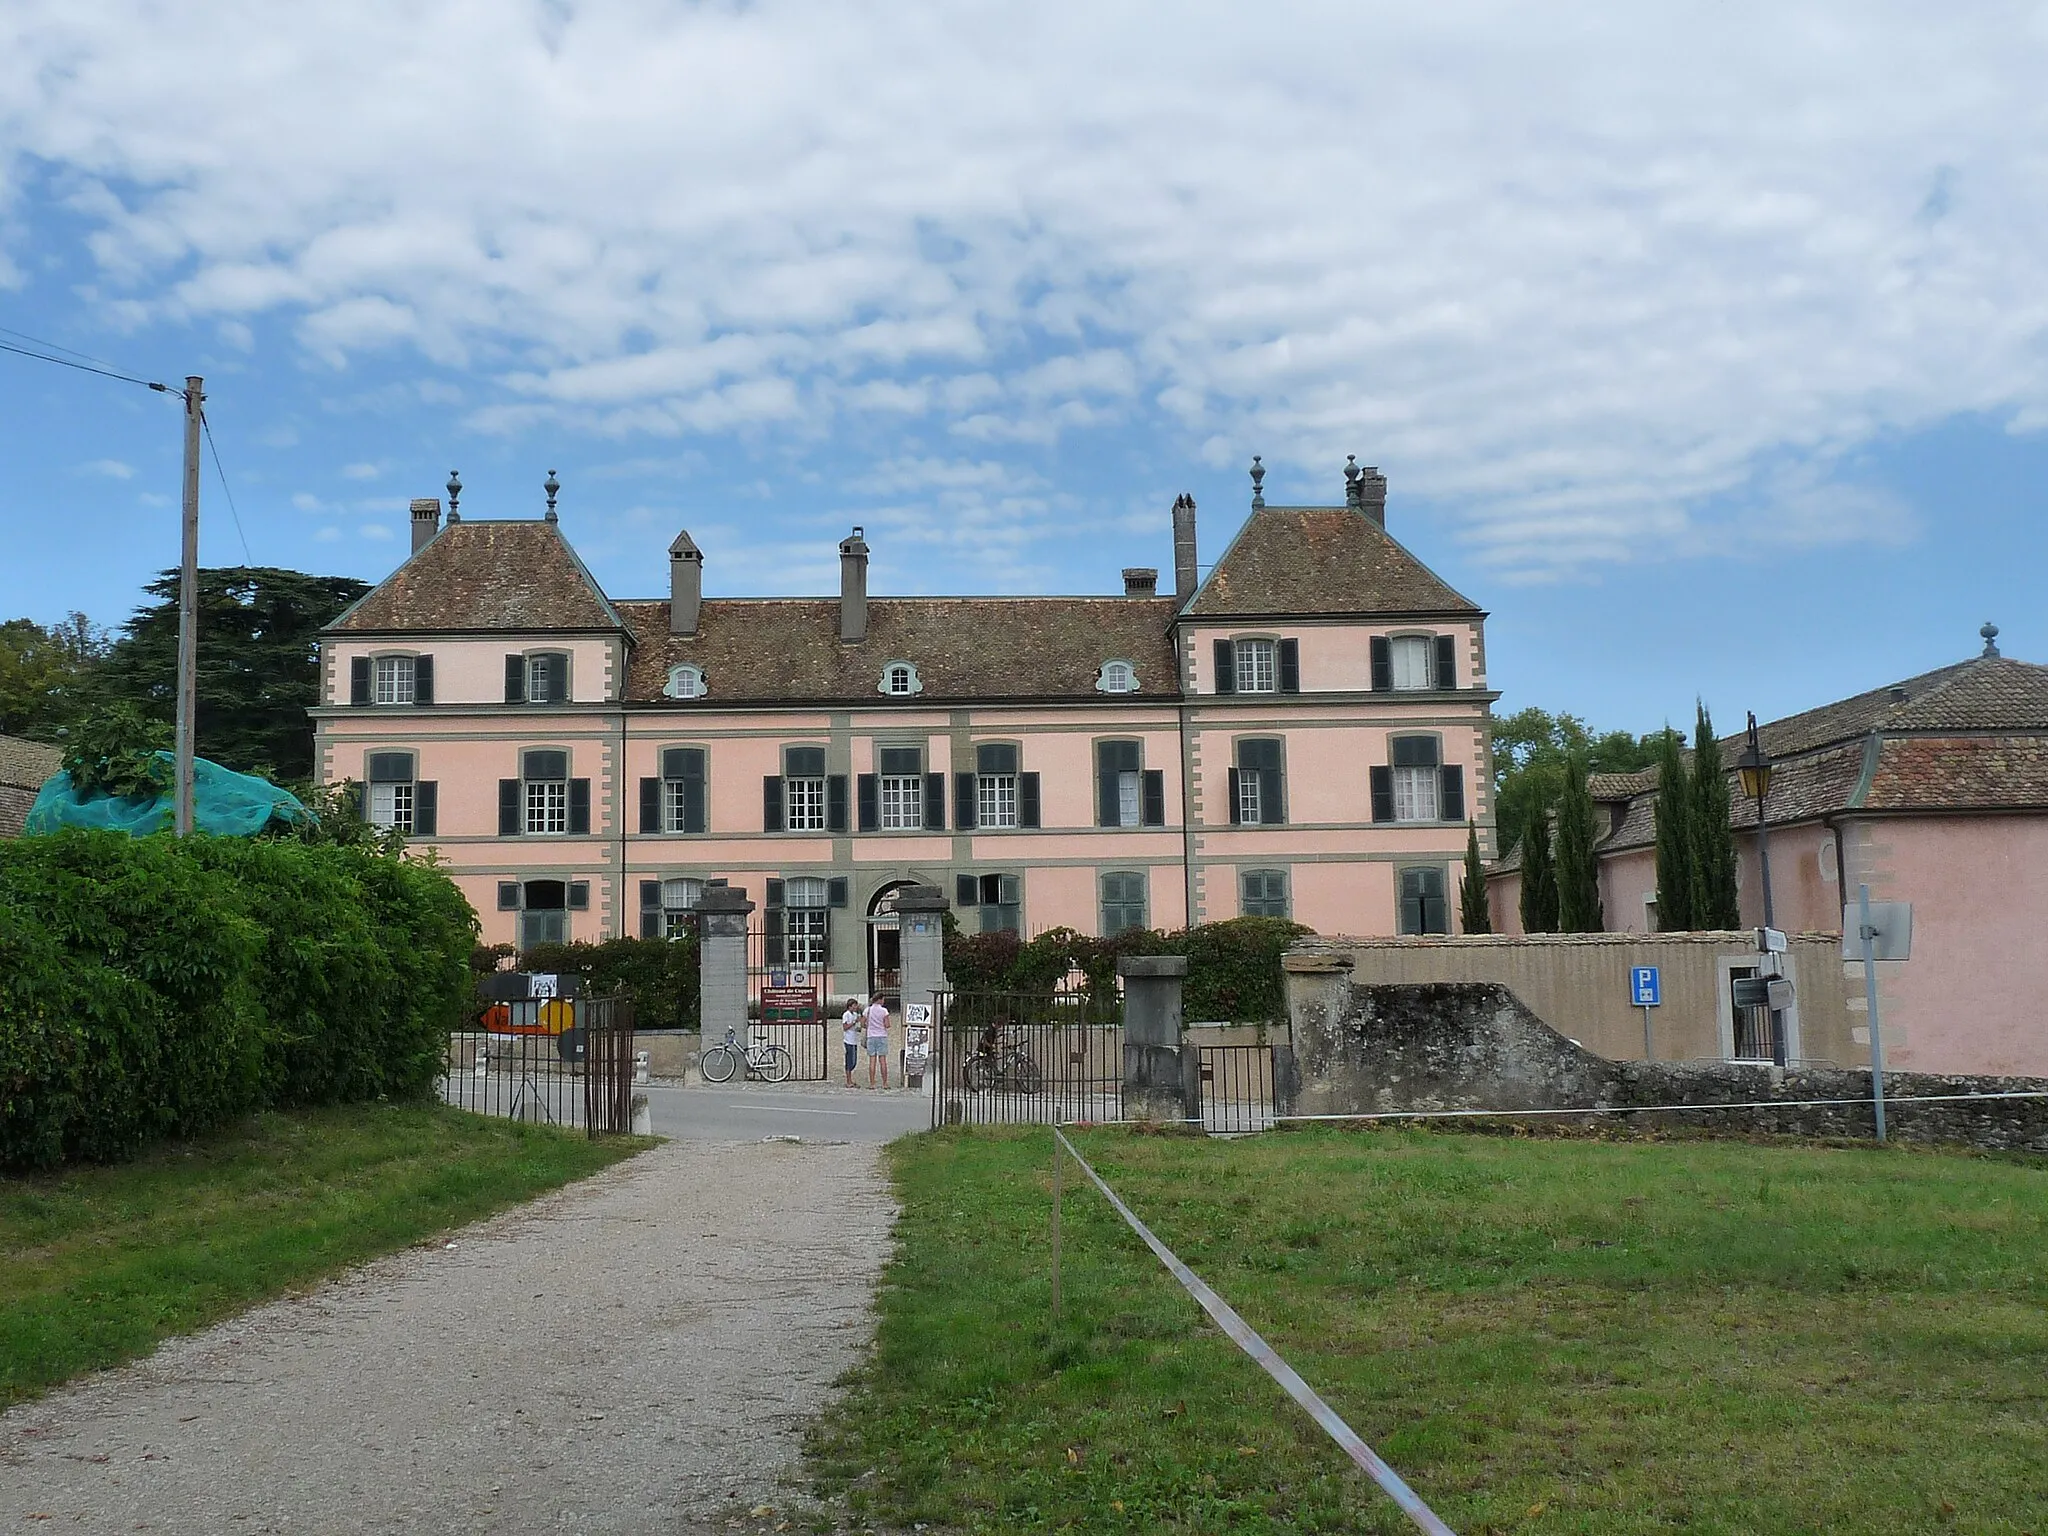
(853, 588)
(1185, 576)
(426, 520)
(1372, 494)
(685, 585)
(1141, 581)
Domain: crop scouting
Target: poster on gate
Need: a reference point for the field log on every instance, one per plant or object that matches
(790, 1004)
(917, 1045)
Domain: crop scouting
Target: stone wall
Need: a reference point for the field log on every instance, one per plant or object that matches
(1365, 1048)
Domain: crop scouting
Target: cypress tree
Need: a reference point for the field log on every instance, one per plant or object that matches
(1578, 867)
(1714, 902)
(1474, 916)
(1674, 837)
(1539, 879)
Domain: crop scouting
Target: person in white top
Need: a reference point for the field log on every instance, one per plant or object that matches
(878, 1041)
(849, 1035)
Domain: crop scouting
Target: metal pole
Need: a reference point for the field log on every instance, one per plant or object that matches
(188, 614)
(1055, 1220)
(1649, 1048)
(1870, 1004)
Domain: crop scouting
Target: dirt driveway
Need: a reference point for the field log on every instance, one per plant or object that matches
(636, 1353)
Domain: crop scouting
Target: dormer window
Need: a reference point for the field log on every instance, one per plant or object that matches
(685, 683)
(900, 680)
(1117, 677)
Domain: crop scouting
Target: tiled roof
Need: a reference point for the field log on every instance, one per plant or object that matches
(1320, 560)
(787, 650)
(1620, 786)
(488, 576)
(1936, 773)
(1985, 693)
(24, 765)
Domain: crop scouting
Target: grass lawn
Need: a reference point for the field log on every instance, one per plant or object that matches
(1541, 1336)
(97, 1264)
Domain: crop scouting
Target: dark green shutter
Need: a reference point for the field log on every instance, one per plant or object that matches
(1382, 663)
(771, 803)
(963, 802)
(650, 806)
(359, 680)
(1382, 794)
(1226, 667)
(1446, 662)
(426, 808)
(773, 899)
(509, 818)
(966, 892)
(579, 805)
(1234, 816)
(579, 895)
(935, 802)
(1450, 792)
(1290, 666)
(1154, 797)
(868, 791)
(508, 895)
(1106, 762)
(1027, 799)
(771, 934)
(691, 763)
(1273, 795)
(423, 680)
(515, 679)
(837, 891)
(835, 803)
(651, 924)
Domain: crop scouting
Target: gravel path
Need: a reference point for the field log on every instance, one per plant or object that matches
(636, 1353)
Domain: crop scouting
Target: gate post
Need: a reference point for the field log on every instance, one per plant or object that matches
(722, 963)
(1153, 1085)
(921, 916)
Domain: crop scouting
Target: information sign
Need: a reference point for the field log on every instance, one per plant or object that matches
(1645, 987)
(789, 1005)
(1770, 940)
(543, 986)
(917, 1013)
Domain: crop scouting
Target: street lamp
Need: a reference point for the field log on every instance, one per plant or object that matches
(1754, 769)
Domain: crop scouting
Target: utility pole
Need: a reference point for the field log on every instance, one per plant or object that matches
(188, 612)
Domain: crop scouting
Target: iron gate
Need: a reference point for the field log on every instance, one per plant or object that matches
(810, 1046)
(1238, 1088)
(1028, 1058)
(550, 1062)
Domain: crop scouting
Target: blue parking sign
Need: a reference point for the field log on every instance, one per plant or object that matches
(1645, 987)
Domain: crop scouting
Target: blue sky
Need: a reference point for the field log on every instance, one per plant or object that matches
(1706, 346)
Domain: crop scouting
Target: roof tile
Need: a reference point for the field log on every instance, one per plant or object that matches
(1320, 561)
(485, 576)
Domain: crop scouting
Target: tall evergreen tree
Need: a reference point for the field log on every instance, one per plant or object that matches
(1714, 903)
(1539, 877)
(1674, 837)
(1474, 916)
(1578, 866)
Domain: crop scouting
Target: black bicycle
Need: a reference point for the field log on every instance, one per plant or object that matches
(1003, 1066)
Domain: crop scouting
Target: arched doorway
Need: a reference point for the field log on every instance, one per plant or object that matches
(885, 944)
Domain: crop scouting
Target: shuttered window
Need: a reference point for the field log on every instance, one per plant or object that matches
(803, 789)
(545, 775)
(1414, 661)
(1424, 908)
(1259, 783)
(1123, 902)
(683, 789)
(1258, 666)
(902, 789)
(1263, 893)
(996, 787)
(393, 680)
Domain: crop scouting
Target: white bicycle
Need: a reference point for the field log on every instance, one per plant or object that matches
(769, 1062)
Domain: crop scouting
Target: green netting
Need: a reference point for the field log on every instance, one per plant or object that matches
(224, 803)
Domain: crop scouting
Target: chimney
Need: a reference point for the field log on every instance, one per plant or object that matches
(853, 588)
(1372, 494)
(685, 585)
(426, 520)
(1141, 581)
(1184, 578)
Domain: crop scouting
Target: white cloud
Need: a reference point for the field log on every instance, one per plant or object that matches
(360, 471)
(1582, 275)
(306, 501)
(112, 469)
(374, 531)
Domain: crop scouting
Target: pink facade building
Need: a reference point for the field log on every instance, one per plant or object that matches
(1302, 734)
(1932, 791)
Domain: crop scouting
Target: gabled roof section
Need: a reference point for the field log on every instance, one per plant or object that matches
(991, 649)
(486, 576)
(24, 764)
(1320, 561)
(1985, 693)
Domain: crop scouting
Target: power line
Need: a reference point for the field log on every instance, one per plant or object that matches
(105, 373)
(213, 449)
(54, 347)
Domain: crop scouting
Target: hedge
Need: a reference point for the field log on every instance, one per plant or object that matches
(152, 987)
(660, 975)
(1233, 966)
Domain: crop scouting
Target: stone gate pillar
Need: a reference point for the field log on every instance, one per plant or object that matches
(1154, 1088)
(921, 912)
(722, 913)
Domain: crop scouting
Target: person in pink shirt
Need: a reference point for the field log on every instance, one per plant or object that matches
(878, 1041)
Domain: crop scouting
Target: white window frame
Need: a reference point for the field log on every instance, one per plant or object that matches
(685, 682)
(392, 679)
(995, 800)
(807, 922)
(1130, 798)
(391, 805)
(1117, 677)
(1416, 792)
(902, 802)
(1249, 801)
(803, 805)
(1257, 663)
(542, 663)
(899, 680)
(1410, 674)
(679, 898)
(547, 807)
(673, 795)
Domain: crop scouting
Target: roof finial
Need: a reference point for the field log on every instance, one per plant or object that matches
(1258, 483)
(1353, 497)
(552, 487)
(1990, 634)
(454, 495)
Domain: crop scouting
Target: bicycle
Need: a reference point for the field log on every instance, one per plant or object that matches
(769, 1062)
(1004, 1067)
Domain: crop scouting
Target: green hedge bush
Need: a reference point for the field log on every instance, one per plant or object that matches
(660, 975)
(153, 987)
(1233, 966)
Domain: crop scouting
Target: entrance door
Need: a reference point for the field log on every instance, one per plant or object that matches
(885, 946)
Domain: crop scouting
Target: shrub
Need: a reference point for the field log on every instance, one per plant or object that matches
(152, 987)
(659, 974)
